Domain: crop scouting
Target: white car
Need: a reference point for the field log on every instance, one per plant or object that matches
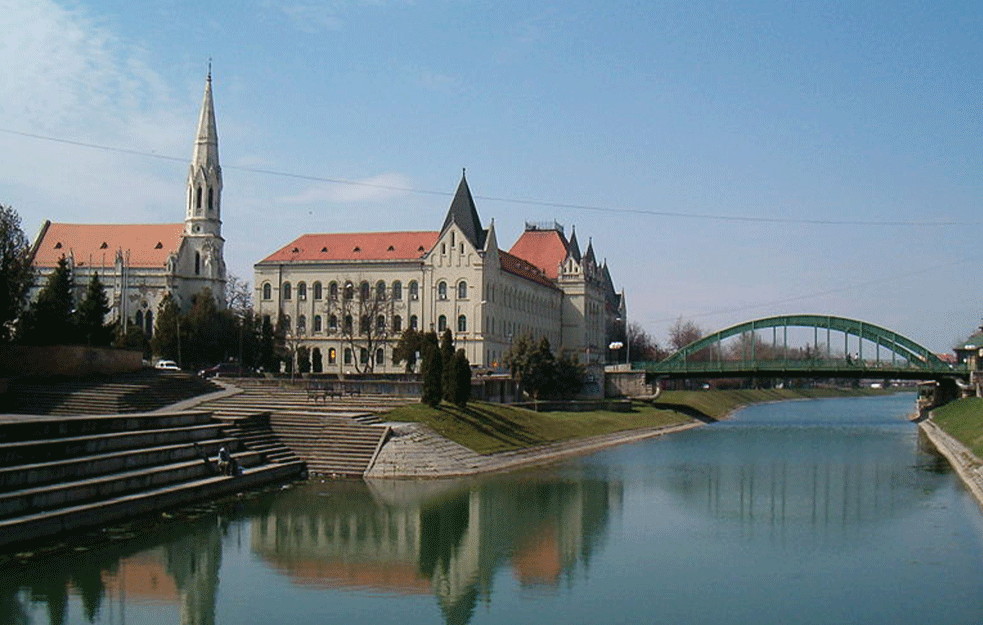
(167, 365)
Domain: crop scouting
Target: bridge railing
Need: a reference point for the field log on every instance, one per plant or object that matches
(819, 366)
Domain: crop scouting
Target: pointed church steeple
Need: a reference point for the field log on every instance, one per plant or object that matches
(463, 213)
(204, 207)
(573, 248)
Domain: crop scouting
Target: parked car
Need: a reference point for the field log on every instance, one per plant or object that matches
(167, 365)
(223, 368)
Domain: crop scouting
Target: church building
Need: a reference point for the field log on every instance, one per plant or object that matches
(139, 264)
(347, 297)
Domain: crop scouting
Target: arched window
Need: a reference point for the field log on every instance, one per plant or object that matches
(148, 322)
(441, 290)
(317, 323)
(317, 364)
(287, 293)
(333, 291)
(318, 292)
(139, 319)
(462, 290)
(333, 323)
(397, 323)
(380, 290)
(198, 199)
(414, 290)
(349, 290)
(363, 291)
(267, 290)
(414, 322)
(210, 205)
(348, 355)
(301, 324)
(332, 356)
(301, 290)
(286, 323)
(380, 356)
(348, 324)
(363, 324)
(441, 323)
(197, 263)
(397, 290)
(363, 356)
(462, 323)
(380, 324)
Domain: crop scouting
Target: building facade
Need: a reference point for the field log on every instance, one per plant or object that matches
(140, 263)
(348, 297)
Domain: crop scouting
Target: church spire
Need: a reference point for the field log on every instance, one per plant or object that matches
(204, 208)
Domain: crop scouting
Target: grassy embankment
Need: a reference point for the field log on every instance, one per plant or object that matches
(963, 420)
(491, 428)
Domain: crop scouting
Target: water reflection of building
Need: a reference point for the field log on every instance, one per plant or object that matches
(183, 572)
(446, 540)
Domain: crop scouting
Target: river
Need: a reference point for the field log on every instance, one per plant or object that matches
(821, 511)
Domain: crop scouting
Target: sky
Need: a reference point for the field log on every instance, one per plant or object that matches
(730, 161)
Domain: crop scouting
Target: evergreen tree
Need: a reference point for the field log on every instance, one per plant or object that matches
(431, 369)
(51, 320)
(165, 341)
(205, 345)
(16, 272)
(462, 382)
(91, 314)
(448, 378)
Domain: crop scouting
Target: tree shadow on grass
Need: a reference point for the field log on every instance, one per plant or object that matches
(689, 411)
(494, 426)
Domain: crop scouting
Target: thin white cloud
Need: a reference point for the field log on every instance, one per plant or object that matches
(373, 189)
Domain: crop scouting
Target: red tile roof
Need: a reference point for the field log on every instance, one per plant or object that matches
(523, 268)
(356, 246)
(96, 244)
(545, 249)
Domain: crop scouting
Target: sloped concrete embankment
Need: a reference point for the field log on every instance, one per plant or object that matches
(966, 464)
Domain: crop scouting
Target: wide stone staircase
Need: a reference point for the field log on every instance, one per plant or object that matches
(335, 436)
(70, 473)
(136, 392)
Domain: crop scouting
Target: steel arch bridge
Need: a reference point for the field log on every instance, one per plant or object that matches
(907, 359)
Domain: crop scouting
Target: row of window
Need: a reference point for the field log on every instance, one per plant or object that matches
(364, 290)
(364, 324)
(348, 357)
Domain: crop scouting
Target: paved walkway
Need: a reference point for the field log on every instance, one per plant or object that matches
(416, 451)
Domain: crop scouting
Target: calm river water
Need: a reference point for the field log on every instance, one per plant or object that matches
(801, 512)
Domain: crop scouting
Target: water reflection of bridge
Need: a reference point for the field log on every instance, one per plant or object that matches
(446, 539)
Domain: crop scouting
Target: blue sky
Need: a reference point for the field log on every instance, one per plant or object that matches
(847, 132)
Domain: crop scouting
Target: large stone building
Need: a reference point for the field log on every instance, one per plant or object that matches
(140, 263)
(348, 297)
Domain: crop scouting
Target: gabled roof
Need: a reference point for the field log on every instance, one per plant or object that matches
(355, 246)
(546, 249)
(463, 213)
(523, 268)
(96, 245)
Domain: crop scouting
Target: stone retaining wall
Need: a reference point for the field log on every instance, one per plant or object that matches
(67, 360)
(963, 461)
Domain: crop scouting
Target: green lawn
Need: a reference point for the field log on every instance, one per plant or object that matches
(491, 428)
(963, 420)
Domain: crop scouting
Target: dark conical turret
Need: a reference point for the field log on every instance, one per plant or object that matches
(463, 213)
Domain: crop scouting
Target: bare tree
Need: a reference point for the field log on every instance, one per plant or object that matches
(364, 315)
(238, 297)
(684, 332)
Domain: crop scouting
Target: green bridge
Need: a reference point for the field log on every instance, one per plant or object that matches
(876, 353)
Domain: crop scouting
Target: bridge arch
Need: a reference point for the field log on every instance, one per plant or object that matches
(882, 337)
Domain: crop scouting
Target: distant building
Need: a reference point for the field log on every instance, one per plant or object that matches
(970, 352)
(140, 263)
(347, 297)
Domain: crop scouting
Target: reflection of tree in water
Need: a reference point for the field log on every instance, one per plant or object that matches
(450, 537)
(190, 552)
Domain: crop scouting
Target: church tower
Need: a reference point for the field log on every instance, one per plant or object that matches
(202, 262)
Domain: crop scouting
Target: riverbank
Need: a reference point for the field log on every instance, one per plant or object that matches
(449, 442)
(956, 431)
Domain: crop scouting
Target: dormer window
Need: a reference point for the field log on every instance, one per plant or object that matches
(421, 249)
(324, 250)
(159, 246)
(390, 249)
(104, 246)
(357, 249)
(58, 245)
(296, 250)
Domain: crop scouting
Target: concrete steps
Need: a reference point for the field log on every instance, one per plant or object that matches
(61, 474)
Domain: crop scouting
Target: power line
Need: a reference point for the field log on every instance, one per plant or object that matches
(522, 201)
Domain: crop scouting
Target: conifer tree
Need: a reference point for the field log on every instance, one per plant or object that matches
(448, 378)
(165, 341)
(16, 272)
(462, 375)
(431, 369)
(91, 314)
(51, 320)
